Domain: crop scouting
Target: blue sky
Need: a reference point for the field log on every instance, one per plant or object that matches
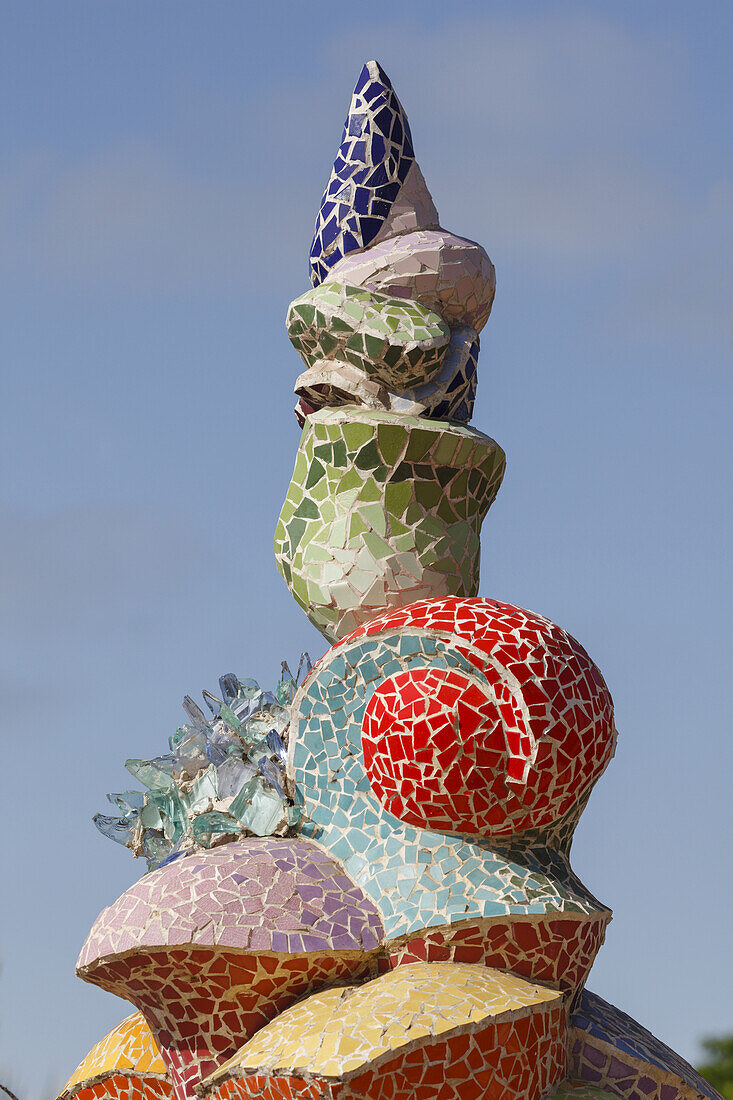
(161, 168)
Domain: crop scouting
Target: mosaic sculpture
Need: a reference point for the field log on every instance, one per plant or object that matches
(359, 884)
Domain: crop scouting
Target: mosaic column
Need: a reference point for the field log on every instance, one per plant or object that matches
(359, 883)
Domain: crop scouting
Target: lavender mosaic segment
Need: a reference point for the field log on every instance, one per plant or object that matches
(262, 894)
(449, 274)
(610, 1047)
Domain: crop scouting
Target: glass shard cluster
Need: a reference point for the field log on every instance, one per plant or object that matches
(223, 778)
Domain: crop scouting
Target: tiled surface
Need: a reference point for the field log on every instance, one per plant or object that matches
(202, 1004)
(128, 1047)
(419, 877)
(257, 895)
(609, 1049)
(507, 747)
(420, 1024)
(399, 342)
(122, 1086)
(444, 272)
(372, 164)
(581, 1090)
(448, 394)
(557, 950)
(212, 946)
(383, 510)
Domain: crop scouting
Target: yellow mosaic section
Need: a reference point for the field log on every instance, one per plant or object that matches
(581, 1090)
(338, 1030)
(128, 1046)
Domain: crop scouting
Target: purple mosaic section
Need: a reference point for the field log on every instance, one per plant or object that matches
(639, 1067)
(264, 894)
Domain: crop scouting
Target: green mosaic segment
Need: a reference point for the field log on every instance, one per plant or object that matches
(398, 341)
(383, 510)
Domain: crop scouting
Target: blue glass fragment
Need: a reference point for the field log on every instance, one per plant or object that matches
(195, 713)
(229, 686)
(119, 829)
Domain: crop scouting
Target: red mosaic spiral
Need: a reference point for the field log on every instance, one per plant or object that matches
(511, 746)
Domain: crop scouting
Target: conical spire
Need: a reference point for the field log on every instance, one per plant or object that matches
(371, 166)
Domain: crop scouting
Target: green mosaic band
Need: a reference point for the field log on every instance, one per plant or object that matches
(383, 510)
(399, 341)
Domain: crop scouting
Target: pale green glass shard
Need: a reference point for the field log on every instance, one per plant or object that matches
(294, 814)
(127, 801)
(150, 815)
(231, 721)
(274, 717)
(213, 824)
(248, 689)
(172, 808)
(265, 813)
(242, 803)
(119, 829)
(285, 691)
(156, 775)
(156, 849)
(204, 789)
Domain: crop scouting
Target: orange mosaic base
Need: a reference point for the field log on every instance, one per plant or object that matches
(123, 1086)
(514, 1060)
(128, 1047)
(203, 1004)
(557, 951)
(124, 1065)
